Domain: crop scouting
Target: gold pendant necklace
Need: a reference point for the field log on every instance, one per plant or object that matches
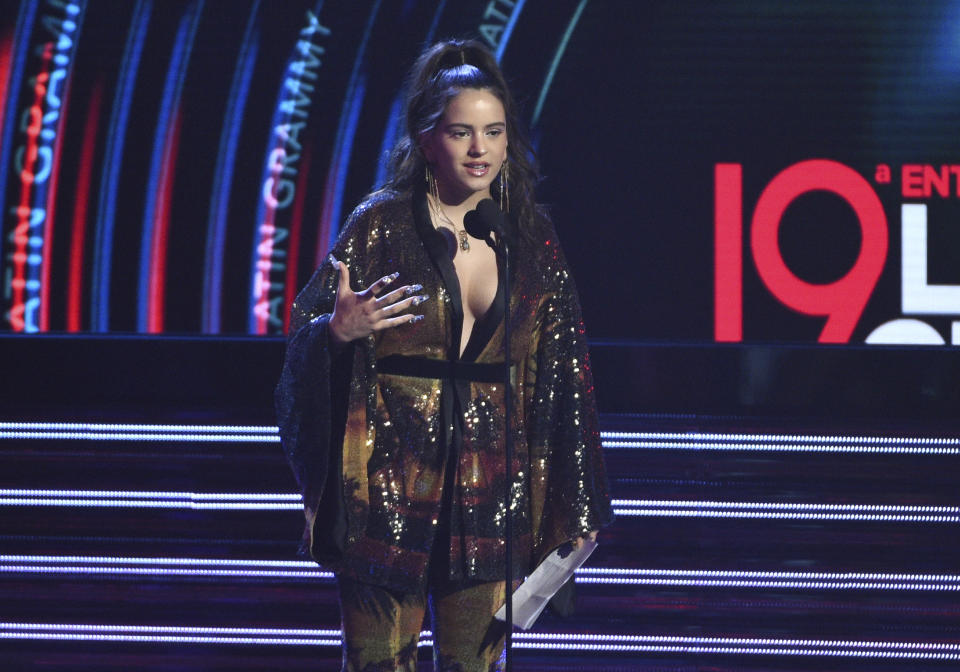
(441, 216)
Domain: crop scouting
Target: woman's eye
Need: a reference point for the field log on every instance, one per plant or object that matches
(459, 134)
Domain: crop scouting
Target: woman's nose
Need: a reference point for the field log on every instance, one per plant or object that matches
(477, 147)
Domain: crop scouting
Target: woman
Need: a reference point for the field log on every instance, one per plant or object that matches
(390, 403)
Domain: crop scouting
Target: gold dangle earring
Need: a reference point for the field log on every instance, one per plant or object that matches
(504, 187)
(432, 187)
(461, 234)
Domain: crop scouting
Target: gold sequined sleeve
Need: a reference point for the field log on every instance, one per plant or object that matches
(568, 472)
(303, 397)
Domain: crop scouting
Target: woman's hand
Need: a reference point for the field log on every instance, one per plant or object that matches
(578, 542)
(358, 314)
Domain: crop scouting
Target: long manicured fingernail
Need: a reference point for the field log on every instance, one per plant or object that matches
(416, 318)
(334, 262)
(413, 289)
(390, 278)
(420, 299)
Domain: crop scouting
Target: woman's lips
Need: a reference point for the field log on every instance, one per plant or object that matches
(477, 169)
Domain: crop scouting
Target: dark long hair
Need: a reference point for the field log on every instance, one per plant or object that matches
(439, 74)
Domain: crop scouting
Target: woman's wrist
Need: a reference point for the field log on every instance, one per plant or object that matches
(338, 342)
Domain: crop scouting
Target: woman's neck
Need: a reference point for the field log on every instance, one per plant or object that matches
(455, 208)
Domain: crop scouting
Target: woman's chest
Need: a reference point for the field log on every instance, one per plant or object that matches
(476, 272)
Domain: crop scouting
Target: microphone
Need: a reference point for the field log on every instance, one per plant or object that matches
(487, 219)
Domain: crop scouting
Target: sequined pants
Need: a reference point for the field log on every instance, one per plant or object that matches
(381, 627)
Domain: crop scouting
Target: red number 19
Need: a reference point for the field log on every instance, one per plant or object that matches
(843, 301)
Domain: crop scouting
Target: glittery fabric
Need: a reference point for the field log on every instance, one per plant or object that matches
(382, 627)
(397, 431)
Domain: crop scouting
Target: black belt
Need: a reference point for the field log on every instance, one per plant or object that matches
(442, 369)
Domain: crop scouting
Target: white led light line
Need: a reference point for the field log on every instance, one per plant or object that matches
(783, 448)
(780, 443)
(159, 500)
(130, 436)
(139, 432)
(786, 505)
(194, 567)
(776, 515)
(184, 562)
(120, 427)
(293, 569)
(789, 438)
(623, 507)
(613, 440)
(786, 511)
(773, 584)
(163, 571)
(541, 641)
(152, 494)
(733, 573)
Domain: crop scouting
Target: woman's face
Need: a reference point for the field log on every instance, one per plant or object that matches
(467, 146)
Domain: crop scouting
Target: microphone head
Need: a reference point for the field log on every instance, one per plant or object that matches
(487, 218)
(493, 219)
(476, 225)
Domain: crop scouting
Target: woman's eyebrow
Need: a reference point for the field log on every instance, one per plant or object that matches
(460, 124)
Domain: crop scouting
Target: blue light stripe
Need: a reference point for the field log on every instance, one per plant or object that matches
(223, 174)
(392, 128)
(435, 22)
(279, 117)
(112, 164)
(390, 132)
(64, 57)
(557, 56)
(343, 150)
(508, 29)
(21, 42)
(172, 89)
(347, 127)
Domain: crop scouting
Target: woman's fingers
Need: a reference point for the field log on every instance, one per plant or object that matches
(400, 297)
(357, 314)
(381, 284)
(344, 284)
(390, 322)
(401, 306)
(398, 294)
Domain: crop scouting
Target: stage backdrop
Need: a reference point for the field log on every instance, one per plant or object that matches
(718, 171)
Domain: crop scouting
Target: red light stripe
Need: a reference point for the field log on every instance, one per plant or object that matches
(728, 253)
(47, 262)
(296, 226)
(161, 230)
(81, 200)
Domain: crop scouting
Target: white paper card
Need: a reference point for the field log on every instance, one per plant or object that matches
(533, 594)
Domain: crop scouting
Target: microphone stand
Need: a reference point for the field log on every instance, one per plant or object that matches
(480, 223)
(504, 249)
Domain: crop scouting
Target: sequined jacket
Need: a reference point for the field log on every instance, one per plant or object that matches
(377, 522)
